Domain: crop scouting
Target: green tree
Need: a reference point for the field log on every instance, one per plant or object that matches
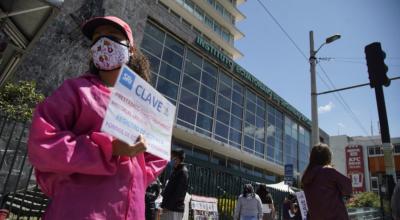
(17, 100)
(365, 199)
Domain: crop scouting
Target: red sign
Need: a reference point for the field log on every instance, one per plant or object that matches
(355, 167)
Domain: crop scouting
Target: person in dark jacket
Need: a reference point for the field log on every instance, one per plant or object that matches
(172, 205)
(152, 193)
(325, 187)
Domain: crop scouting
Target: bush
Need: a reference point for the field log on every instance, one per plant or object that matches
(365, 199)
(17, 100)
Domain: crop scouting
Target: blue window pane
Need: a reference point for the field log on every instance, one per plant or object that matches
(174, 45)
(251, 96)
(167, 88)
(223, 116)
(221, 130)
(207, 94)
(249, 142)
(225, 90)
(237, 98)
(210, 68)
(249, 129)
(260, 112)
(170, 73)
(237, 110)
(154, 32)
(190, 84)
(153, 79)
(188, 99)
(270, 152)
(194, 58)
(236, 123)
(250, 106)
(153, 61)
(260, 123)
(250, 118)
(235, 136)
(226, 79)
(172, 58)
(152, 46)
(208, 80)
(192, 70)
(259, 147)
(186, 114)
(206, 108)
(237, 87)
(224, 103)
(204, 122)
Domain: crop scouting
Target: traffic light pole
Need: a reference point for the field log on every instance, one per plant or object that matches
(385, 134)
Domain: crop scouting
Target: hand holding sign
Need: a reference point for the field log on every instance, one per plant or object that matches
(121, 148)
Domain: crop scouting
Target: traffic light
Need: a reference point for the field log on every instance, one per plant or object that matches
(377, 68)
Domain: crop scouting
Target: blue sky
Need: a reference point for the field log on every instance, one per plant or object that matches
(272, 58)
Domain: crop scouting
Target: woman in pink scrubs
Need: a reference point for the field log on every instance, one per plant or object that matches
(86, 173)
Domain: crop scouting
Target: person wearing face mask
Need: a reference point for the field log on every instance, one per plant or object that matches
(172, 205)
(86, 173)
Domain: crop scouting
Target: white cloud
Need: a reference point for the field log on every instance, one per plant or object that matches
(340, 124)
(325, 108)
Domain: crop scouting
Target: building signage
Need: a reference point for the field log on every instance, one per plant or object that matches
(135, 107)
(288, 174)
(237, 69)
(355, 167)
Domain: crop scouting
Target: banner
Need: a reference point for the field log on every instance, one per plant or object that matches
(301, 199)
(355, 167)
(135, 107)
(204, 208)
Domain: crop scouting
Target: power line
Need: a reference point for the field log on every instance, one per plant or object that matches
(283, 30)
(340, 99)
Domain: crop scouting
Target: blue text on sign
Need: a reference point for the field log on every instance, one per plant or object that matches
(148, 97)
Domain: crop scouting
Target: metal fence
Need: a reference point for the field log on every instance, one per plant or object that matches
(20, 195)
(18, 190)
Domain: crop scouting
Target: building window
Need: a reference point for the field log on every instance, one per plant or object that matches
(396, 148)
(274, 135)
(200, 14)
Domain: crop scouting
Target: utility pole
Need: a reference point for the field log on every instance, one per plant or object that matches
(314, 104)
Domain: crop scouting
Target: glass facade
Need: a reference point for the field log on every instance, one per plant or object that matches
(222, 11)
(200, 14)
(214, 104)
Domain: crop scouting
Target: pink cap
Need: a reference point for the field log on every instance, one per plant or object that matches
(88, 27)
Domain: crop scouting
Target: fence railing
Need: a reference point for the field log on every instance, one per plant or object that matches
(20, 195)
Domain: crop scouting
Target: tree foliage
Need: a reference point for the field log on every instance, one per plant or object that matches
(365, 199)
(17, 100)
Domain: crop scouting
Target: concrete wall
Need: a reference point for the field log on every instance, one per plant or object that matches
(337, 145)
(62, 51)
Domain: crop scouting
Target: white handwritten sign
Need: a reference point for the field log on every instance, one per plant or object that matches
(301, 199)
(135, 107)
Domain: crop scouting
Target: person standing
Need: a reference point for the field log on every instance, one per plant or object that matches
(249, 205)
(325, 187)
(267, 202)
(152, 193)
(172, 205)
(89, 174)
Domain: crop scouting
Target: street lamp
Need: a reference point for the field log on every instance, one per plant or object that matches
(314, 105)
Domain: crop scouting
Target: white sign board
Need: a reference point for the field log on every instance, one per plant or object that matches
(135, 107)
(301, 199)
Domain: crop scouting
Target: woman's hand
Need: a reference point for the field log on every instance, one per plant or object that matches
(121, 148)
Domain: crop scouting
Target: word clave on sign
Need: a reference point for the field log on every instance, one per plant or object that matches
(135, 108)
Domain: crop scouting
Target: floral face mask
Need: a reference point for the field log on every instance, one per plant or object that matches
(109, 54)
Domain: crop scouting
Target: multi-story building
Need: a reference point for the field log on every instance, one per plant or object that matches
(365, 156)
(225, 116)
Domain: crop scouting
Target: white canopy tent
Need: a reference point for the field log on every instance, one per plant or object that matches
(281, 186)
